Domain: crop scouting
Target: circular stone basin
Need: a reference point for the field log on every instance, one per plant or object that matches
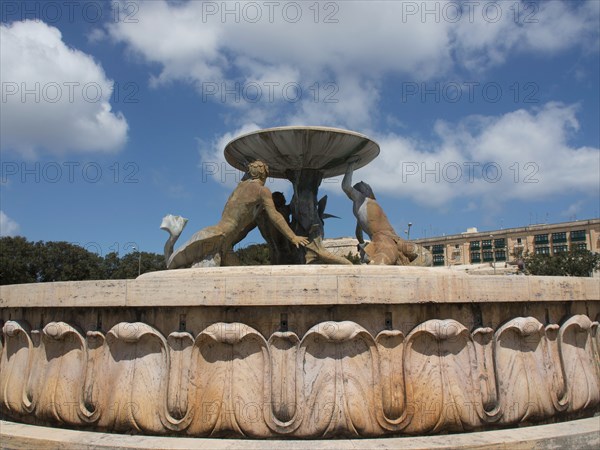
(295, 148)
(302, 352)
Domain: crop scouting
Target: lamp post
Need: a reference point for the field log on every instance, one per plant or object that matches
(407, 231)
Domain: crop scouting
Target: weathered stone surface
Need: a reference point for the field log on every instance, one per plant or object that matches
(301, 352)
(577, 434)
(296, 148)
(300, 285)
(334, 381)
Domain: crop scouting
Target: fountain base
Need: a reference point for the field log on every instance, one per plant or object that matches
(581, 434)
(301, 352)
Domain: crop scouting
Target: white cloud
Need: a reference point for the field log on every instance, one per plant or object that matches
(562, 25)
(68, 106)
(499, 29)
(573, 209)
(213, 165)
(519, 155)
(8, 227)
(352, 44)
(213, 162)
(351, 102)
(487, 160)
(188, 51)
(196, 45)
(367, 43)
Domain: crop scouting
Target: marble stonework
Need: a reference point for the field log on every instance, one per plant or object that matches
(302, 148)
(300, 352)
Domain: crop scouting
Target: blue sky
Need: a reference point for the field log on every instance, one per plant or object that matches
(114, 114)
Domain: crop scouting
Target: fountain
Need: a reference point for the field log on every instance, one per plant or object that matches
(304, 156)
(374, 356)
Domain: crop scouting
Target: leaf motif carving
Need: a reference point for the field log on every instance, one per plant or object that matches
(390, 346)
(283, 413)
(228, 376)
(134, 379)
(483, 340)
(521, 358)
(440, 378)
(340, 368)
(581, 370)
(335, 381)
(60, 368)
(92, 406)
(17, 356)
(180, 351)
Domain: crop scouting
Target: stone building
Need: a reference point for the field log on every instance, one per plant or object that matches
(507, 245)
(473, 247)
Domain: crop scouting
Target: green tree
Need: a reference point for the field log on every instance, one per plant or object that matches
(17, 261)
(22, 261)
(62, 261)
(110, 266)
(254, 255)
(132, 264)
(577, 263)
(152, 262)
(353, 258)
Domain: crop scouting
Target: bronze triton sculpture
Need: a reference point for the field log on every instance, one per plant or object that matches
(212, 246)
(386, 247)
(304, 156)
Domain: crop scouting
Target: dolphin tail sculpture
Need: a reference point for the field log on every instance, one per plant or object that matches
(321, 204)
(174, 225)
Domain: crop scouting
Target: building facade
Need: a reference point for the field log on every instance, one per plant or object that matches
(508, 245)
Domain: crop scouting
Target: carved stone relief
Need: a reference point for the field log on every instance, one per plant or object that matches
(338, 380)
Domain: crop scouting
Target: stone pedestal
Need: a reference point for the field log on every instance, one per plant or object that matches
(300, 352)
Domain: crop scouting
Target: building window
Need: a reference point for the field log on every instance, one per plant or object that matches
(456, 253)
(579, 246)
(520, 241)
(475, 257)
(559, 248)
(474, 245)
(578, 235)
(500, 255)
(488, 256)
(438, 249)
(500, 243)
(542, 250)
(540, 239)
(487, 243)
(438, 260)
(559, 237)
